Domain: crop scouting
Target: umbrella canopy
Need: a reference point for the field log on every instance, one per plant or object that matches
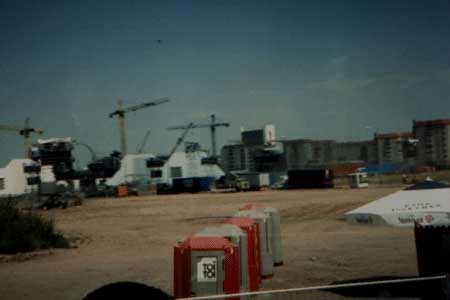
(425, 206)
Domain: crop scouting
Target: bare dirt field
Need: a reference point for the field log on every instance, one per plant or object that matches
(132, 239)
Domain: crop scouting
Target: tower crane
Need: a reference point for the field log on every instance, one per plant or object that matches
(181, 138)
(25, 131)
(140, 148)
(212, 126)
(120, 113)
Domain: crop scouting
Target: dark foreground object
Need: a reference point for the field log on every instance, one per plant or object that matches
(127, 290)
(425, 290)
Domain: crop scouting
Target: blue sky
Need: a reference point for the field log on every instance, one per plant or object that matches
(315, 69)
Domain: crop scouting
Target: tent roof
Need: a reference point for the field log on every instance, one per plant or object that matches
(428, 184)
(404, 207)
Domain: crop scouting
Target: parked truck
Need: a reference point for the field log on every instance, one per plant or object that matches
(256, 181)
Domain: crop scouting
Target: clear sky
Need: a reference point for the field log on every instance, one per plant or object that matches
(315, 69)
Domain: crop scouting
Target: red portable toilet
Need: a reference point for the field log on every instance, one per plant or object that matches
(251, 228)
(206, 266)
(275, 231)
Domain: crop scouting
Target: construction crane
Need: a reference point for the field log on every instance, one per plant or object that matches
(25, 131)
(181, 138)
(121, 111)
(140, 147)
(212, 126)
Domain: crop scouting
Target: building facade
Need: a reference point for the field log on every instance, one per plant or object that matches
(393, 148)
(304, 153)
(433, 147)
(359, 151)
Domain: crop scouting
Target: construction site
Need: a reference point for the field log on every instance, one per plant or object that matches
(224, 150)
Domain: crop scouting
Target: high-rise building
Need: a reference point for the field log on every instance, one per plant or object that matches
(393, 148)
(303, 153)
(433, 147)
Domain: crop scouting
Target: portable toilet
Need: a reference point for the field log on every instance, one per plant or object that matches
(275, 239)
(254, 262)
(238, 237)
(265, 229)
(206, 266)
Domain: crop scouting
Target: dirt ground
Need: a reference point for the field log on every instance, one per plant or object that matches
(132, 239)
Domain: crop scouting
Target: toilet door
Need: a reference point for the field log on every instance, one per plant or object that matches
(207, 272)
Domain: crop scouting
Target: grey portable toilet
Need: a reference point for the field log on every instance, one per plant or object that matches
(238, 237)
(277, 245)
(265, 233)
(275, 238)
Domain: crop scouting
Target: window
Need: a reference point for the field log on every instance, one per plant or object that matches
(2, 183)
(156, 174)
(176, 172)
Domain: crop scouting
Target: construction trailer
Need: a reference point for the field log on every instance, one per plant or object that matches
(187, 166)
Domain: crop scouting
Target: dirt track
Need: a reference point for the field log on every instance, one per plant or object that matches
(132, 239)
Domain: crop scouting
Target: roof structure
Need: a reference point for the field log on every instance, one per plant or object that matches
(426, 203)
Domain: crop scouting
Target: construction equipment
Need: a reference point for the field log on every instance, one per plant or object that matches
(121, 111)
(181, 139)
(140, 148)
(25, 131)
(212, 126)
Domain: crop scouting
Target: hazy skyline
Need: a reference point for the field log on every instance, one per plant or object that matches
(314, 69)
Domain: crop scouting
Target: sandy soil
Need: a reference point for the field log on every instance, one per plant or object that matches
(132, 239)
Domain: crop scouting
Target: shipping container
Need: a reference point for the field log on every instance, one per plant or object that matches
(310, 178)
(193, 184)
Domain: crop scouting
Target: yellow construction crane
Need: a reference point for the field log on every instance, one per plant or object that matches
(120, 113)
(25, 131)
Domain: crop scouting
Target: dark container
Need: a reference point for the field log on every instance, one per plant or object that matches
(31, 168)
(310, 178)
(192, 184)
(33, 180)
(433, 257)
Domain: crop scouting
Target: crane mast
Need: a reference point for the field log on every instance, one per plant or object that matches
(120, 113)
(25, 131)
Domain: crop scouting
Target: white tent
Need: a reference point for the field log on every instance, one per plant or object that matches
(425, 206)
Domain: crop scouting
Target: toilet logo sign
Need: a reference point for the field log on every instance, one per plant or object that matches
(207, 269)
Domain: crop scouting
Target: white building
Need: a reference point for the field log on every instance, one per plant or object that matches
(184, 165)
(13, 179)
(133, 169)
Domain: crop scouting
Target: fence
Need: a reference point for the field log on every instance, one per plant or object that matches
(424, 288)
